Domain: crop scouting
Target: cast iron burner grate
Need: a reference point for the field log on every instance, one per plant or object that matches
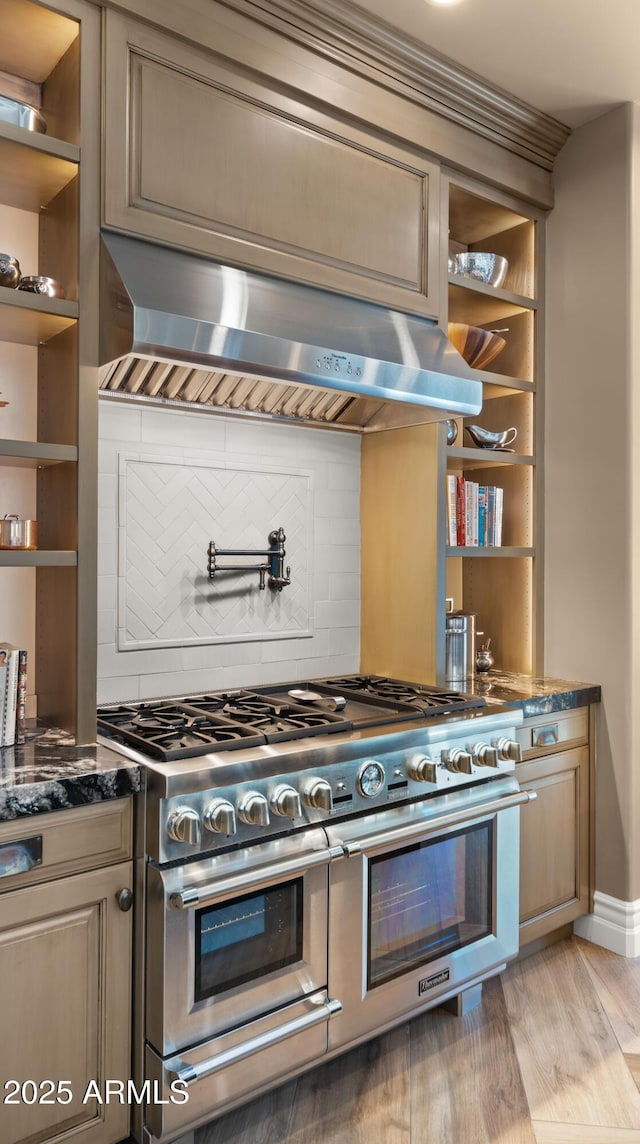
(171, 731)
(430, 700)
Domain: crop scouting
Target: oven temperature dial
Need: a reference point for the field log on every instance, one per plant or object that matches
(460, 762)
(286, 802)
(184, 826)
(509, 749)
(370, 778)
(485, 755)
(253, 809)
(220, 817)
(318, 794)
(422, 769)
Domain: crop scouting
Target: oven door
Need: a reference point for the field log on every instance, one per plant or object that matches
(234, 937)
(425, 905)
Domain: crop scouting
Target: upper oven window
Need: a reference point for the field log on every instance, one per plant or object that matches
(247, 938)
(428, 900)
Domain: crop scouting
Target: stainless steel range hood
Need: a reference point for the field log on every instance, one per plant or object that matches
(177, 328)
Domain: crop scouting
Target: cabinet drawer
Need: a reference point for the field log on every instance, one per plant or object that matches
(546, 733)
(65, 842)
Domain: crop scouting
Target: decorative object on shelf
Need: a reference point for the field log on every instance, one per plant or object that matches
(460, 644)
(40, 284)
(486, 439)
(481, 266)
(15, 532)
(9, 271)
(452, 430)
(484, 658)
(21, 114)
(477, 346)
(275, 553)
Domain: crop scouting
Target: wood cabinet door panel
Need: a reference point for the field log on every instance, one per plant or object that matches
(554, 834)
(201, 155)
(64, 998)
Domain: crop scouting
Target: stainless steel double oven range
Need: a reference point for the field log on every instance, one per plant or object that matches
(321, 861)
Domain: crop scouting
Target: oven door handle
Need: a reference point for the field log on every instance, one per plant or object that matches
(261, 876)
(442, 822)
(323, 1011)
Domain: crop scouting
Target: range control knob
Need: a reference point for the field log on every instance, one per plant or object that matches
(286, 802)
(220, 817)
(460, 762)
(318, 794)
(184, 826)
(485, 755)
(253, 808)
(422, 769)
(509, 749)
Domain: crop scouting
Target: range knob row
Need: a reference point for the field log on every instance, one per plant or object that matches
(425, 770)
(220, 816)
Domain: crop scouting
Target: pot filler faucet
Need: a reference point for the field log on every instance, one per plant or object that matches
(279, 578)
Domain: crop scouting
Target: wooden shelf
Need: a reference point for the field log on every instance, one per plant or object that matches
(493, 292)
(491, 552)
(10, 558)
(495, 385)
(489, 307)
(34, 454)
(33, 168)
(31, 319)
(483, 458)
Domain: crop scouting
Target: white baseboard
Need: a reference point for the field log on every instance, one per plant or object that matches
(613, 924)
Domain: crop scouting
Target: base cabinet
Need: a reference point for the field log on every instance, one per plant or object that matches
(65, 955)
(554, 841)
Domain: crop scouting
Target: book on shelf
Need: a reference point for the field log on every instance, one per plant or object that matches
(474, 514)
(13, 686)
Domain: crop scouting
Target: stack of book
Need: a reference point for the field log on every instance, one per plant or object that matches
(474, 514)
(13, 689)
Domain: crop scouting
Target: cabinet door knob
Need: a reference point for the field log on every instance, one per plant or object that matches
(124, 898)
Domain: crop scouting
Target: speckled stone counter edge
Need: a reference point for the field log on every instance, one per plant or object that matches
(49, 773)
(535, 696)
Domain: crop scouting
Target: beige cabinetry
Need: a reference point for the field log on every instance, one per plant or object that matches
(203, 153)
(65, 976)
(47, 602)
(555, 827)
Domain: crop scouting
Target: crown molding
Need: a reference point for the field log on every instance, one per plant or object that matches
(370, 47)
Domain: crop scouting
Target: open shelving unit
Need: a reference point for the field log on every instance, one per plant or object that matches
(500, 584)
(48, 210)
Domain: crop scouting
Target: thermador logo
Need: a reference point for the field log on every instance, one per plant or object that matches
(428, 983)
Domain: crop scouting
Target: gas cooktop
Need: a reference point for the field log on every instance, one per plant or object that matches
(192, 725)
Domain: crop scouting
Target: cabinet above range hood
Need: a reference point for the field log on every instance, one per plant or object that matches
(181, 330)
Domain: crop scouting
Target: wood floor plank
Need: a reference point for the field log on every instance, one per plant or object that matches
(617, 983)
(549, 1133)
(571, 1064)
(359, 1098)
(632, 1061)
(465, 1082)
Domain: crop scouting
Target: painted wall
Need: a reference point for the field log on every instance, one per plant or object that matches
(592, 534)
(169, 482)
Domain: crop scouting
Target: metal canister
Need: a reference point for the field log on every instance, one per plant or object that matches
(460, 646)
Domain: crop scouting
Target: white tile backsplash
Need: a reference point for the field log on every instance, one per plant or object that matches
(159, 470)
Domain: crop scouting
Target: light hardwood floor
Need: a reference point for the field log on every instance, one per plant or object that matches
(552, 1056)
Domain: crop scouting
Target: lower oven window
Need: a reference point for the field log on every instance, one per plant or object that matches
(428, 900)
(247, 938)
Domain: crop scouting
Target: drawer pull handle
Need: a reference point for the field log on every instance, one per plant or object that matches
(546, 736)
(20, 856)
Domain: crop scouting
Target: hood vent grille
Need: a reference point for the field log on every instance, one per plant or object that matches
(162, 382)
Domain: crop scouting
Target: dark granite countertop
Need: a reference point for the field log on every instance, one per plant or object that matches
(49, 772)
(536, 696)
